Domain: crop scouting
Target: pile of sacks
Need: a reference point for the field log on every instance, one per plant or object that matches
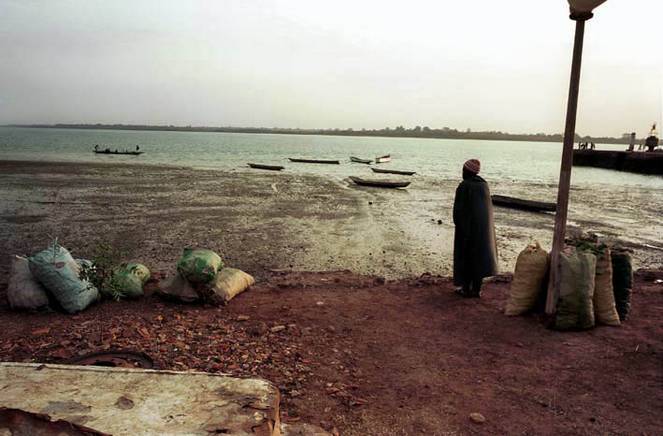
(595, 285)
(52, 278)
(201, 276)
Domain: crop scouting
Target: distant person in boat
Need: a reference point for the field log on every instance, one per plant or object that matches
(475, 246)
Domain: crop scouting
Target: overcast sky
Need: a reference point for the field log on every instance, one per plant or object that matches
(483, 64)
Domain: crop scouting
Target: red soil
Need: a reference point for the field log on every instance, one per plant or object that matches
(396, 358)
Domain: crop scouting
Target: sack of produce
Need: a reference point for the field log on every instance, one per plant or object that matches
(127, 281)
(575, 310)
(228, 283)
(58, 272)
(23, 291)
(528, 279)
(604, 298)
(622, 281)
(178, 289)
(140, 270)
(199, 266)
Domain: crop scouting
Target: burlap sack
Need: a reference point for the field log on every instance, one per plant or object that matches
(605, 310)
(177, 288)
(228, 283)
(531, 269)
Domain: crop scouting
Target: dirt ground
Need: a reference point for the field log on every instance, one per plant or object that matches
(395, 358)
(350, 351)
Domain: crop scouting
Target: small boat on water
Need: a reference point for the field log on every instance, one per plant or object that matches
(315, 161)
(383, 159)
(266, 167)
(402, 173)
(379, 183)
(130, 153)
(519, 203)
(107, 150)
(358, 160)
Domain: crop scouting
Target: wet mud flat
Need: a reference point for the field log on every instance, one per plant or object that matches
(259, 221)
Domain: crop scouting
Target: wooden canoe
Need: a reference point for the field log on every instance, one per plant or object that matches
(358, 160)
(402, 173)
(315, 161)
(130, 153)
(266, 167)
(519, 203)
(379, 183)
(383, 159)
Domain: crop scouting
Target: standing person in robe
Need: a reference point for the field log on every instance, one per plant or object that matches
(475, 247)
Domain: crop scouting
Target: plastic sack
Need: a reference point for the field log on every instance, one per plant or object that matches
(139, 270)
(575, 309)
(58, 272)
(127, 281)
(178, 289)
(199, 266)
(228, 283)
(622, 282)
(23, 291)
(604, 298)
(528, 278)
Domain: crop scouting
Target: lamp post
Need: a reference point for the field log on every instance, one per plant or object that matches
(581, 11)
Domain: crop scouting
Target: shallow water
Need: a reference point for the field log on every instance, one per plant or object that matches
(536, 162)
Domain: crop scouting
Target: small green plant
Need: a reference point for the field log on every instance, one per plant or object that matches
(99, 272)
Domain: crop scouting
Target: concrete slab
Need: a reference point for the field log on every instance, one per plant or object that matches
(123, 401)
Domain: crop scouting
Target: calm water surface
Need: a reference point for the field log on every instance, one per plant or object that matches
(520, 162)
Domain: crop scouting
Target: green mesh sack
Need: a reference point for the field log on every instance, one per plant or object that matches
(199, 266)
(127, 281)
(575, 309)
(58, 272)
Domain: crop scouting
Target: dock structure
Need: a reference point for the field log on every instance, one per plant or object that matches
(630, 161)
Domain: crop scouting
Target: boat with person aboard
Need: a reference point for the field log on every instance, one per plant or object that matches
(107, 150)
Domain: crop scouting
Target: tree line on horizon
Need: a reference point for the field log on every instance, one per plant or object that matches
(396, 132)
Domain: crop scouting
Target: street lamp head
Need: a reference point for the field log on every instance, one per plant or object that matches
(582, 9)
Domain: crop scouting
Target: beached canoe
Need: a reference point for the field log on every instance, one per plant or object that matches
(383, 159)
(402, 173)
(315, 161)
(519, 203)
(266, 167)
(379, 183)
(358, 160)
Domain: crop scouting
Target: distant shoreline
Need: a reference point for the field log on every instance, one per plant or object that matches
(399, 132)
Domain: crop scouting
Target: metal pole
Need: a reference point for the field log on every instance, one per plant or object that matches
(565, 171)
